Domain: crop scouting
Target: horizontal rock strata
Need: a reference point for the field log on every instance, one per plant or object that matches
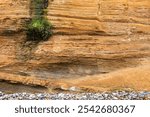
(89, 37)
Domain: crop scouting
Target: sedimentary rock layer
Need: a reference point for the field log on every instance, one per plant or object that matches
(89, 37)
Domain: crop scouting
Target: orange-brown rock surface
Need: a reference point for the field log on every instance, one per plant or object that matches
(90, 37)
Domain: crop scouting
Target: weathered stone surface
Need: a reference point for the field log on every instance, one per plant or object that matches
(90, 37)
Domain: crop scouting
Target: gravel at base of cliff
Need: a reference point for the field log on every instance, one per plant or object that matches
(116, 95)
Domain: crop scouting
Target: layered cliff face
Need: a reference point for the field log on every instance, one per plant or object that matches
(90, 37)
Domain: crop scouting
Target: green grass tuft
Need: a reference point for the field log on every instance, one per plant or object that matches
(38, 28)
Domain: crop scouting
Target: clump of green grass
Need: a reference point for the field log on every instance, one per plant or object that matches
(39, 28)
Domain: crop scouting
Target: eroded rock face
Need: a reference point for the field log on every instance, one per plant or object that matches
(90, 37)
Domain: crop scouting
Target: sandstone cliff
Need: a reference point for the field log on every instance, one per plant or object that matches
(90, 37)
